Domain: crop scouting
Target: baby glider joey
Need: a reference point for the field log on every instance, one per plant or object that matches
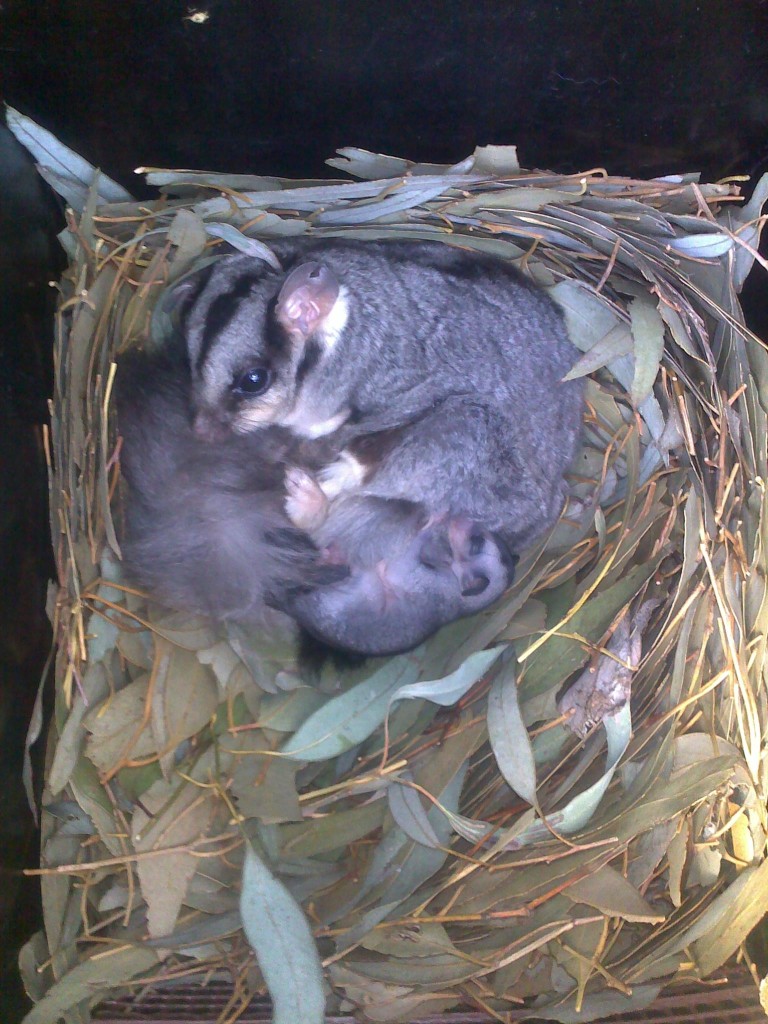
(351, 339)
(408, 574)
(206, 530)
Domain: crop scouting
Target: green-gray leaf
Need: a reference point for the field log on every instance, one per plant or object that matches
(648, 332)
(509, 737)
(279, 935)
(69, 174)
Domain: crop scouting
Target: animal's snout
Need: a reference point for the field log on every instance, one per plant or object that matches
(473, 584)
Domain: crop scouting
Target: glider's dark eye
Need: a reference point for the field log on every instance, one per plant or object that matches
(476, 544)
(253, 382)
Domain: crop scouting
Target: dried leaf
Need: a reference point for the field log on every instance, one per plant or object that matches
(90, 978)
(597, 1006)
(412, 940)
(611, 893)
(734, 913)
(244, 244)
(617, 342)
(183, 699)
(119, 727)
(702, 246)
(264, 787)
(676, 856)
(500, 160)
(171, 815)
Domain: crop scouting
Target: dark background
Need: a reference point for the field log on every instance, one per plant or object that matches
(641, 87)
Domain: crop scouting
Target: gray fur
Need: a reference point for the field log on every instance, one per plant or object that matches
(461, 348)
(409, 575)
(392, 605)
(205, 531)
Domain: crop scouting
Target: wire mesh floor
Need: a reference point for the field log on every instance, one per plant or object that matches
(734, 1001)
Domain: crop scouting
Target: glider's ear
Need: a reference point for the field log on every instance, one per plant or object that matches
(306, 299)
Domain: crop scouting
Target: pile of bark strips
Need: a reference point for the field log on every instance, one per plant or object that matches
(556, 807)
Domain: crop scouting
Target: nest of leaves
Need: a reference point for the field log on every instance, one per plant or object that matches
(457, 831)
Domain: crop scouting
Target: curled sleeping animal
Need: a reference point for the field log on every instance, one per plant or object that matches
(409, 573)
(454, 359)
(459, 352)
(206, 531)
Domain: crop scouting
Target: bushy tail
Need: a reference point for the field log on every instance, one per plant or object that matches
(205, 529)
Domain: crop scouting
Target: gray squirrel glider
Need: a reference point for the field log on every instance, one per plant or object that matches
(420, 387)
(205, 530)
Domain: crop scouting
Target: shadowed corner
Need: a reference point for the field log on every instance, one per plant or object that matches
(28, 262)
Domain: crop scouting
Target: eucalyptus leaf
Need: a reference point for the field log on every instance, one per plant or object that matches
(598, 1006)
(523, 197)
(323, 196)
(748, 221)
(70, 174)
(241, 242)
(579, 810)
(501, 160)
(617, 342)
(551, 664)
(280, 936)
(648, 334)
(121, 733)
(95, 687)
(32, 958)
(187, 233)
(735, 913)
(412, 941)
(203, 930)
(450, 688)
(408, 811)
(345, 720)
(285, 712)
(96, 975)
(349, 718)
(172, 180)
(709, 245)
(509, 737)
(410, 195)
(589, 317)
(170, 815)
(610, 892)
(364, 164)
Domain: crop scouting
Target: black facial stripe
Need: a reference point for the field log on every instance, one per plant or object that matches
(509, 558)
(309, 359)
(183, 298)
(221, 311)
